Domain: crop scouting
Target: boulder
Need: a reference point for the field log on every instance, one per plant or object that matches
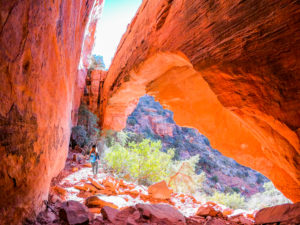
(158, 213)
(287, 213)
(206, 211)
(109, 213)
(94, 201)
(240, 218)
(144, 214)
(74, 213)
(160, 190)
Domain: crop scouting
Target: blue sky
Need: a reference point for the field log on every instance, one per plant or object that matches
(116, 15)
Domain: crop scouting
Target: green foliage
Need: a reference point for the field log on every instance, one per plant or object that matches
(86, 132)
(79, 136)
(183, 177)
(133, 137)
(236, 189)
(215, 179)
(270, 197)
(110, 137)
(143, 161)
(234, 200)
(122, 138)
(131, 121)
(259, 179)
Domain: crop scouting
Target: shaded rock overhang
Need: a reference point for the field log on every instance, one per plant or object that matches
(41, 83)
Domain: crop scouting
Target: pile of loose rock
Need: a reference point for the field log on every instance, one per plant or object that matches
(156, 204)
(75, 213)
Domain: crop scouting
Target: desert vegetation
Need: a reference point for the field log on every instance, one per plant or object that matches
(145, 161)
(131, 157)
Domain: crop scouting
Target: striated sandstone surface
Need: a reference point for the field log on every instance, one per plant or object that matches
(41, 45)
(228, 68)
(92, 90)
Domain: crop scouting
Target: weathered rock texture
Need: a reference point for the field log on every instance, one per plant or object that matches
(228, 68)
(41, 44)
(92, 91)
(286, 214)
(152, 121)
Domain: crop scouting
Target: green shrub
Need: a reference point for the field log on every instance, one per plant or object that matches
(234, 200)
(143, 162)
(122, 138)
(259, 179)
(215, 179)
(236, 189)
(131, 121)
(270, 197)
(78, 136)
(110, 137)
(87, 130)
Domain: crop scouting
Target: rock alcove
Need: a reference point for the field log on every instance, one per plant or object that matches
(228, 68)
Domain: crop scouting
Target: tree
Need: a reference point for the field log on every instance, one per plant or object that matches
(86, 132)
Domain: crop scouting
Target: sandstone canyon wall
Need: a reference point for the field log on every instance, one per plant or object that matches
(41, 45)
(92, 91)
(228, 68)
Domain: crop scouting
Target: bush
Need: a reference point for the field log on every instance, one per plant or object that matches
(86, 132)
(131, 121)
(133, 137)
(183, 177)
(259, 179)
(143, 161)
(109, 137)
(78, 136)
(270, 197)
(215, 179)
(236, 189)
(234, 200)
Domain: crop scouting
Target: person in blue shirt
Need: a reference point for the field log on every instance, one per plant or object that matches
(94, 157)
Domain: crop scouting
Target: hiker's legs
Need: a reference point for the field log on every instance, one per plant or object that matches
(93, 167)
(96, 167)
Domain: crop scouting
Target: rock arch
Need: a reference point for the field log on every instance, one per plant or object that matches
(228, 69)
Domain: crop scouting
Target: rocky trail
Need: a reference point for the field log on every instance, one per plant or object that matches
(79, 197)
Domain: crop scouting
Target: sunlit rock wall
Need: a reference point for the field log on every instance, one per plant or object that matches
(228, 68)
(40, 48)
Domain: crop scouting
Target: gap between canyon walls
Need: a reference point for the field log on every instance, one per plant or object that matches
(41, 85)
(228, 69)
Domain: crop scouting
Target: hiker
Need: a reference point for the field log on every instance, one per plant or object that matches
(93, 157)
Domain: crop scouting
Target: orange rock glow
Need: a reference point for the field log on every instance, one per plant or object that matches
(41, 45)
(229, 69)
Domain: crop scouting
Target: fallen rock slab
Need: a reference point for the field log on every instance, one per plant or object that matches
(286, 213)
(158, 213)
(74, 213)
(160, 190)
(109, 213)
(95, 202)
(206, 211)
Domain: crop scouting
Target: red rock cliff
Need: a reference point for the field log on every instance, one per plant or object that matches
(228, 68)
(92, 91)
(41, 44)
